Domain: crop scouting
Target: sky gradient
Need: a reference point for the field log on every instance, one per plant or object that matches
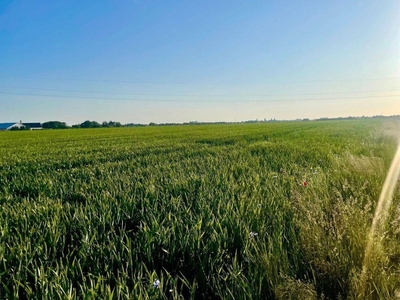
(144, 61)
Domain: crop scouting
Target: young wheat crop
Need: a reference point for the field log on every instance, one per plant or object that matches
(242, 211)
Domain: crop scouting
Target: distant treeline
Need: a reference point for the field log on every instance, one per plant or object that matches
(94, 124)
(86, 124)
(105, 124)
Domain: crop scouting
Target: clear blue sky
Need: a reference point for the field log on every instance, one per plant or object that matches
(147, 61)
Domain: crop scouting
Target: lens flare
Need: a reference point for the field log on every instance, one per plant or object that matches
(381, 213)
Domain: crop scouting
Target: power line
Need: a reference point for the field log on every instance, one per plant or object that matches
(203, 83)
(197, 95)
(203, 101)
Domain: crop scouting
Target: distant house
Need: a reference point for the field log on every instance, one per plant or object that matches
(9, 126)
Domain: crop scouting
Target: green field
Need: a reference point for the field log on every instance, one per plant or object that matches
(242, 211)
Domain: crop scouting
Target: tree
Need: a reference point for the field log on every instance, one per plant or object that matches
(54, 125)
(90, 124)
(111, 124)
(20, 128)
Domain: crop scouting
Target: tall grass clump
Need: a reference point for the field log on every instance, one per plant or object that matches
(241, 211)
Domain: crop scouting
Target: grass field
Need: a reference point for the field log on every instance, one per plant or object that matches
(241, 211)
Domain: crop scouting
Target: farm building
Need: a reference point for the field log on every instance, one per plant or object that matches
(8, 126)
(33, 126)
(11, 125)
